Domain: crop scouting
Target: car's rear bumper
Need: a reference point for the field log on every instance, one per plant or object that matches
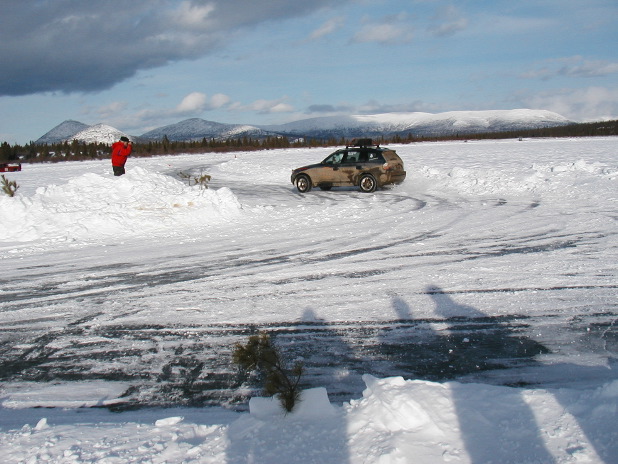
(395, 177)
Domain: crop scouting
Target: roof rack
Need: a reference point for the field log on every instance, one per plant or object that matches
(362, 143)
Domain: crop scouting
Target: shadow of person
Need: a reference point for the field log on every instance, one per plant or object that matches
(315, 431)
(410, 347)
(461, 342)
(595, 385)
(476, 341)
(332, 354)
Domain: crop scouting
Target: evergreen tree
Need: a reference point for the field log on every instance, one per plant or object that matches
(5, 152)
(259, 354)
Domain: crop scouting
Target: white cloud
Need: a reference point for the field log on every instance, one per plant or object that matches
(281, 108)
(198, 102)
(489, 24)
(327, 28)
(587, 104)
(574, 66)
(388, 30)
(111, 109)
(193, 16)
(448, 21)
(219, 100)
(265, 106)
(195, 102)
(192, 105)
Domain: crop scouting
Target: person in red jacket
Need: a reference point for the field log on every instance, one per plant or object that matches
(120, 151)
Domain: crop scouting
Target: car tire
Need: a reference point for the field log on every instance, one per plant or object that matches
(367, 183)
(303, 183)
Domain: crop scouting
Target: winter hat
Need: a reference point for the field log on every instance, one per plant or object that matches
(124, 139)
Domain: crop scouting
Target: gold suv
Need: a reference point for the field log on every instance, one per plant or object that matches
(361, 164)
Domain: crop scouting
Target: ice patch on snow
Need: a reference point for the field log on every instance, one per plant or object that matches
(64, 395)
(168, 421)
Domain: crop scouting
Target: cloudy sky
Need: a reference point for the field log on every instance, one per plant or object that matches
(141, 64)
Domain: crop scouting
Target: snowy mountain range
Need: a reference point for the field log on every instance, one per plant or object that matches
(197, 129)
(373, 125)
(422, 124)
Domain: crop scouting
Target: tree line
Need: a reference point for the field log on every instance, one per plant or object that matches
(81, 151)
(77, 150)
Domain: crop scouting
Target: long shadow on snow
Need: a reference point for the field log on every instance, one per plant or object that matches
(326, 439)
(191, 365)
(472, 351)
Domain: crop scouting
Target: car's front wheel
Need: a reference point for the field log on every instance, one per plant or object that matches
(367, 183)
(303, 183)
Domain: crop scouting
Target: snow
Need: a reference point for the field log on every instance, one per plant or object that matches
(463, 119)
(346, 126)
(63, 131)
(429, 123)
(519, 232)
(68, 131)
(395, 421)
(140, 202)
(99, 133)
(197, 129)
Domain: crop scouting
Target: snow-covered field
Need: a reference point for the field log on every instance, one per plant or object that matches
(467, 315)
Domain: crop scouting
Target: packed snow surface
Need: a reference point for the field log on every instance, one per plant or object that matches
(108, 285)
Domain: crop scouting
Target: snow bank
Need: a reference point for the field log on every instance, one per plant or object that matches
(424, 422)
(92, 206)
(538, 178)
(396, 421)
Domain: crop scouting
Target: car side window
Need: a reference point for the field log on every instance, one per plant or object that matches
(375, 157)
(353, 156)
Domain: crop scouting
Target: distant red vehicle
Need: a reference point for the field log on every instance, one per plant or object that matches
(10, 167)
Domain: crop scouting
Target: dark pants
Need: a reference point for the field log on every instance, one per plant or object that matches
(118, 170)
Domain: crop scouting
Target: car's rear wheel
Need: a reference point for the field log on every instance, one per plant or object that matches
(303, 183)
(367, 183)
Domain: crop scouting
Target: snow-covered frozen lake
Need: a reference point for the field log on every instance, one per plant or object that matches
(494, 263)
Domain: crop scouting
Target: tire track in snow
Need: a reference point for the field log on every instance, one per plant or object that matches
(102, 334)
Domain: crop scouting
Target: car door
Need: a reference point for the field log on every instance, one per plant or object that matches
(329, 172)
(351, 167)
(326, 173)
